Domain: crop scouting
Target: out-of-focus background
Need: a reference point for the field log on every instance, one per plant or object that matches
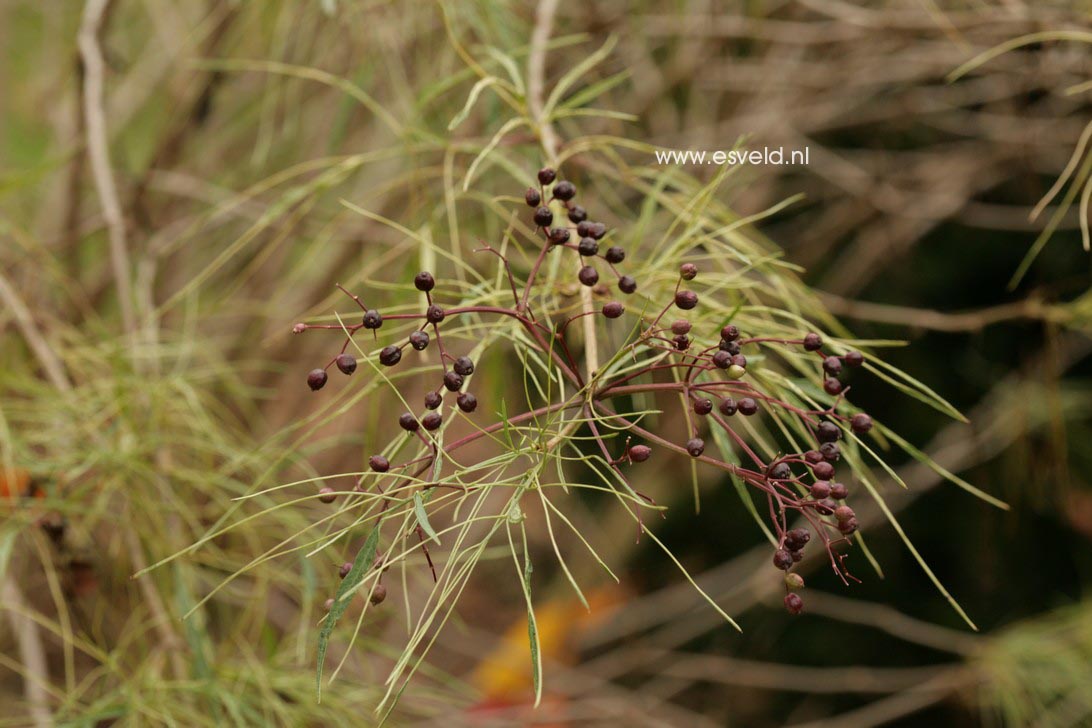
(229, 133)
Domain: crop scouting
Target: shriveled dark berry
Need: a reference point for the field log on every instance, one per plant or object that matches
(379, 594)
(316, 379)
(346, 363)
(695, 446)
(848, 526)
(861, 423)
(825, 507)
(797, 556)
(344, 569)
(390, 355)
(703, 406)
(854, 358)
(748, 406)
(680, 326)
(838, 491)
(682, 342)
(587, 247)
(564, 190)
(686, 300)
(844, 513)
(832, 365)
(327, 494)
(832, 386)
(728, 407)
(379, 464)
(729, 332)
(453, 381)
(559, 236)
(419, 340)
(584, 228)
(828, 432)
(432, 420)
(372, 319)
(722, 359)
(639, 453)
(820, 489)
(467, 402)
(782, 559)
(408, 422)
(424, 281)
(813, 456)
(830, 452)
(779, 471)
(688, 271)
(823, 470)
(794, 605)
(434, 314)
(613, 309)
(739, 360)
(577, 214)
(543, 217)
(615, 254)
(813, 342)
(433, 400)
(597, 231)
(532, 197)
(627, 284)
(546, 175)
(732, 347)
(588, 276)
(797, 538)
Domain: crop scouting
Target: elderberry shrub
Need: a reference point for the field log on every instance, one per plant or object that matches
(711, 376)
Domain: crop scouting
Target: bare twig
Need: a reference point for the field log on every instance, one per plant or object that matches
(99, 153)
(31, 653)
(1031, 308)
(47, 357)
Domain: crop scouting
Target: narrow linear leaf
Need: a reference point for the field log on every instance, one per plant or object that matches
(422, 516)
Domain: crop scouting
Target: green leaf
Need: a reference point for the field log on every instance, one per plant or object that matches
(422, 516)
(471, 99)
(361, 564)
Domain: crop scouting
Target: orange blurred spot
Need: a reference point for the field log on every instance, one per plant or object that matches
(16, 483)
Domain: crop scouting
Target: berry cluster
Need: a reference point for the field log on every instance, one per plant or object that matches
(709, 373)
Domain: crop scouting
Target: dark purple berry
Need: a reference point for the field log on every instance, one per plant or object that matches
(432, 421)
(813, 456)
(703, 406)
(453, 381)
(577, 214)
(379, 594)
(844, 513)
(615, 254)
(686, 300)
(813, 342)
(797, 538)
(532, 197)
(729, 333)
(558, 236)
(344, 569)
(627, 284)
(613, 310)
(732, 347)
(682, 342)
(543, 217)
(379, 463)
(408, 422)
(832, 365)
(695, 446)
(372, 319)
(564, 190)
(588, 276)
(434, 314)
(861, 423)
(316, 379)
(796, 556)
(546, 175)
(680, 326)
(825, 507)
(587, 247)
(346, 363)
(722, 359)
(794, 605)
(424, 281)
(828, 432)
(854, 358)
(830, 452)
(728, 407)
(433, 400)
(688, 271)
(820, 489)
(639, 453)
(838, 491)
(782, 559)
(327, 494)
(390, 355)
(739, 360)
(597, 231)
(823, 470)
(467, 402)
(584, 228)
(848, 526)
(748, 407)
(779, 471)
(419, 340)
(832, 386)
(464, 365)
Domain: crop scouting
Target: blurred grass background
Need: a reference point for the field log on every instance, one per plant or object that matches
(234, 130)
